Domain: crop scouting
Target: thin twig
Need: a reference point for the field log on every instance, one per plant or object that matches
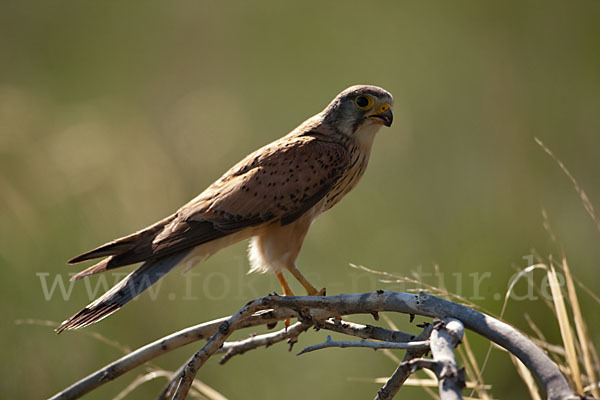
(291, 333)
(365, 331)
(420, 345)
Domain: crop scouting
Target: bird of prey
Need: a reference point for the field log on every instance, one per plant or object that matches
(270, 197)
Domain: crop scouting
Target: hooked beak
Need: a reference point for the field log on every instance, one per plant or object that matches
(383, 115)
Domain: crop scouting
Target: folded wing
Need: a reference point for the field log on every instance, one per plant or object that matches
(276, 184)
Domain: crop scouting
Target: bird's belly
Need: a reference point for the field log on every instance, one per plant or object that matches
(276, 247)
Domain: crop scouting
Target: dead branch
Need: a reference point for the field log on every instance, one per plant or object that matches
(547, 373)
(401, 374)
(240, 347)
(422, 345)
(159, 347)
(316, 311)
(364, 331)
(182, 382)
(446, 335)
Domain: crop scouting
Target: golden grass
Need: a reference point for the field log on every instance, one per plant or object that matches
(581, 328)
(565, 330)
(527, 377)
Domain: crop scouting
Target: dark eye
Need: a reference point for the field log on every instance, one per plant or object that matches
(363, 102)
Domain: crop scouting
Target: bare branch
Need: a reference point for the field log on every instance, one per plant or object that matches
(240, 347)
(159, 347)
(549, 375)
(446, 335)
(315, 310)
(363, 343)
(401, 374)
(183, 382)
(365, 331)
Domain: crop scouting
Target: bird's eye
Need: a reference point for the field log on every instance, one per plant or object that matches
(364, 102)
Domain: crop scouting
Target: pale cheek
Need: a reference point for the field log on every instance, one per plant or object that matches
(346, 126)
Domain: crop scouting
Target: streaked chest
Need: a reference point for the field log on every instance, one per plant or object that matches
(350, 179)
(360, 151)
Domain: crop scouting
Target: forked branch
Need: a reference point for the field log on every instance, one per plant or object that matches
(320, 312)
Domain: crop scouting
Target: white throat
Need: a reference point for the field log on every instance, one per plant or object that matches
(365, 136)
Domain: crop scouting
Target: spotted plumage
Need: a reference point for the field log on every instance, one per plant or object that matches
(270, 197)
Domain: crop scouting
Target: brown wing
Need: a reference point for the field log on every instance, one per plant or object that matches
(280, 181)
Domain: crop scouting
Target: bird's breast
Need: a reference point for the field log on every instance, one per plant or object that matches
(358, 165)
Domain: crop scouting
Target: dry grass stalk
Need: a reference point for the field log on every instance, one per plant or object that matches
(527, 378)
(582, 333)
(565, 329)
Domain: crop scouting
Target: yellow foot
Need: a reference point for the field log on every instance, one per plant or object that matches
(310, 289)
(315, 292)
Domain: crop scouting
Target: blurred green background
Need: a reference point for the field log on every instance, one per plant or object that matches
(113, 114)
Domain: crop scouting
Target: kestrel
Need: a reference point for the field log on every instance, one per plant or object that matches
(270, 197)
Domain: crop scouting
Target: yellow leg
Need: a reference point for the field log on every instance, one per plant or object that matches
(287, 291)
(310, 289)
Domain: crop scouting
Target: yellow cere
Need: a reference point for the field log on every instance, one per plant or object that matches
(384, 107)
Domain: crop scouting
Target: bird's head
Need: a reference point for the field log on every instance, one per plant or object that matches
(360, 108)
